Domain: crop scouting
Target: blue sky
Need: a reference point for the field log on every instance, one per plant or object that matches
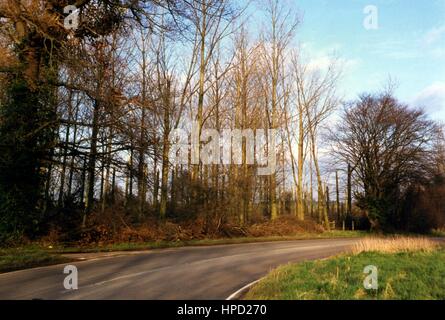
(409, 46)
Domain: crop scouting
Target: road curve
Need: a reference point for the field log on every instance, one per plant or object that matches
(199, 273)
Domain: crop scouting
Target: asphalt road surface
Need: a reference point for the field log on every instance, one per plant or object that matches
(201, 273)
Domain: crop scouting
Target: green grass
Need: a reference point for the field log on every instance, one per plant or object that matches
(401, 276)
(130, 246)
(440, 233)
(28, 257)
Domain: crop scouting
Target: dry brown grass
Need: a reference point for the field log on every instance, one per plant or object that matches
(102, 232)
(283, 226)
(395, 244)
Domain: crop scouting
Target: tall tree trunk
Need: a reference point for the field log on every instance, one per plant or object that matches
(300, 207)
(337, 198)
(349, 192)
(65, 150)
(141, 161)
(91, 168)
(322, 213)
(312, 187)
(107, 165)
(272, 179)
(202, 72)
(165, 153)
(72, 168)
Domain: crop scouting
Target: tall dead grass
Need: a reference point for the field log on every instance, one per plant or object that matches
(395, 244)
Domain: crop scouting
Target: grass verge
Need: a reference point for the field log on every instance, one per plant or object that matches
(29, 257)
(440, 233)
(405, 274)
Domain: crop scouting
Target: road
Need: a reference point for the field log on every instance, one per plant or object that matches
(200, 273)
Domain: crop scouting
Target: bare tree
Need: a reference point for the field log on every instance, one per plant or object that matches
(316, 100)
(388, 145)
(280, 30)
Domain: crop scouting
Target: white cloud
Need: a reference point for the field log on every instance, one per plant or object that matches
(434, 35)
(321, 59)
(319, 63)
(432, 98)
